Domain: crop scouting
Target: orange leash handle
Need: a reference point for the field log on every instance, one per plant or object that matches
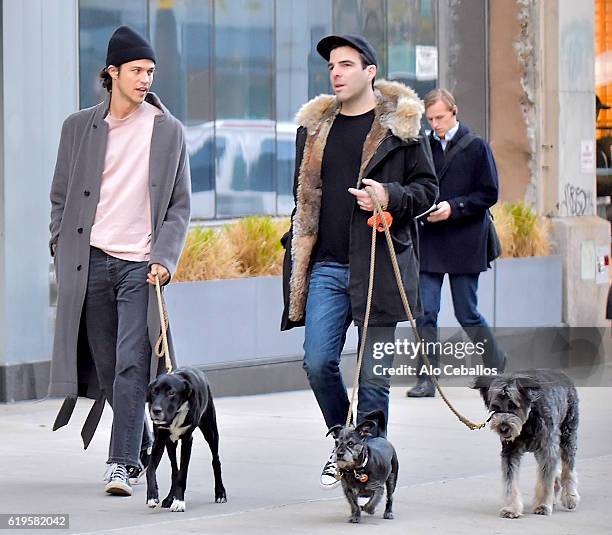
(378, 221)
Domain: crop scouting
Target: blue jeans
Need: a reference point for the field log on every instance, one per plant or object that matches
(464, 290)
(116, 319)
(328, 317)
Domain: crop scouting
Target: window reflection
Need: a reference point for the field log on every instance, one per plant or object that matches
(235, 72)
(98, 19)
(301, 74)
(181, 34)
(245, 175)
(244, 96)
(367, 18)
(413, 53)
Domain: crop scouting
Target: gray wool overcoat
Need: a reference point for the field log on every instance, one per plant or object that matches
(74, 196)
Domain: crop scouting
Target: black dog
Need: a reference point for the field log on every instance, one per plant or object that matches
(367, 464)
(535, 411)
(178, 403)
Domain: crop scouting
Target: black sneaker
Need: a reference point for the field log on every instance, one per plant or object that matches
(330, 477)
(136, 473)
(118, 484)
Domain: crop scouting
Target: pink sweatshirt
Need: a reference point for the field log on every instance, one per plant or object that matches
(122, 226)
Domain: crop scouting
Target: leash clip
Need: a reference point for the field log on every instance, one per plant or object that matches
(363, 478)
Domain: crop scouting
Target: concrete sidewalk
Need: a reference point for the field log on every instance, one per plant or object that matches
(272, 449)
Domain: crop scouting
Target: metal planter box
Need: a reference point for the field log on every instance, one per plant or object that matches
(529, 291)
(225, 321)
(516, 292)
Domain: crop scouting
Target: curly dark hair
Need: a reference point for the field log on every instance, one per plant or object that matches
(106, 79)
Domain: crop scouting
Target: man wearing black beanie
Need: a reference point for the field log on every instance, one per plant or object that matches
(120, 206)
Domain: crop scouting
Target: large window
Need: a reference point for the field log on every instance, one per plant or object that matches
(235, 72)
(98, 19)
(412, 52)
(244, 100)
(181, 33)
(367, 18)
(301, 74)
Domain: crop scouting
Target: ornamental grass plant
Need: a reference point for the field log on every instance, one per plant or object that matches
(521, 232)
(248, 248)
(256, 247)
(207, 255)
(251, 246)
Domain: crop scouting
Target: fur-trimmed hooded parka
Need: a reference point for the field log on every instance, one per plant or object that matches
(396, 154)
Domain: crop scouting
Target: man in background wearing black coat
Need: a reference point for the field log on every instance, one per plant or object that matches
(454, 236)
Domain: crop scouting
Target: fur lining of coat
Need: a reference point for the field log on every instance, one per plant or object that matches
(398, 111)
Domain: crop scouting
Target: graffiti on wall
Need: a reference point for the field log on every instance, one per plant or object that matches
(576, 201)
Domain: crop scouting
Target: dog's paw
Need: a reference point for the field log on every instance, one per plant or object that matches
(368, 509)
(167, 502)
(220, 496)
(178, 506)
(153, 503)
(354, 519)
(570, 500)
(509, 512)
(542, 509)
(388, 515)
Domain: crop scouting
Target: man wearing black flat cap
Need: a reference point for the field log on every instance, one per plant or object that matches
(365, 134)
(120, 205)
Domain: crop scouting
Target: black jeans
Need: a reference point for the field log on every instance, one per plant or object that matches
(116, 318)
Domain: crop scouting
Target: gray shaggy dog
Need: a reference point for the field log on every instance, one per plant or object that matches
(535, 411)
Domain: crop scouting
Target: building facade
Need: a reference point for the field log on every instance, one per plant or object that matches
(235, 72)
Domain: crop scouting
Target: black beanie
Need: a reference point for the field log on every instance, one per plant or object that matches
(126, 45)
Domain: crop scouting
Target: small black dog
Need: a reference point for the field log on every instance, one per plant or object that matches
(535, 411)
(178, 403)
(367, 464)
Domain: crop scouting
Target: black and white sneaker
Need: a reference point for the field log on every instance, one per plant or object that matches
(118, 483)
(136, 473)
(330, 477)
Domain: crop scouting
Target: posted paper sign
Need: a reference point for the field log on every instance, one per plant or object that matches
(426, 62)
(587, 156)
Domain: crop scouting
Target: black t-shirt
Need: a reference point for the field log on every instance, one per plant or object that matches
(339, 171)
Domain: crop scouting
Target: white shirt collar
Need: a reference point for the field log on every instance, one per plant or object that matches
(449, 135)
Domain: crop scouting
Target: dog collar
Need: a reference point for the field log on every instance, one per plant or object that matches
(359, 471)
(365, 459)
(493, 413)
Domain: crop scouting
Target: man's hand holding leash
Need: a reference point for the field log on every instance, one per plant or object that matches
(363, 198)
(158, 269)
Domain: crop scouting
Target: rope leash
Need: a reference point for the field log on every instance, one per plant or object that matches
(161, 346)
(381, 219)
(365, 326)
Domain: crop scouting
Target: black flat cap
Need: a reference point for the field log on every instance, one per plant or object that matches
(359, 43)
